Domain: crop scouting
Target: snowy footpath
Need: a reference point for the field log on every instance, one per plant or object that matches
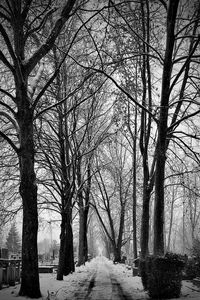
(99, 279)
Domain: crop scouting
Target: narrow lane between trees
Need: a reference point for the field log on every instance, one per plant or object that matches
(103, 284)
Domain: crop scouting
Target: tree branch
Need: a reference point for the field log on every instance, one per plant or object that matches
(7, 41)
(6, 62)
(182, 119)
(63, 100)
(7, 94)
(45, 48)
(10, 142)
(7, 116)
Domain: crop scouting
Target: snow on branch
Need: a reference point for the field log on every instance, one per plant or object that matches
(34, 81)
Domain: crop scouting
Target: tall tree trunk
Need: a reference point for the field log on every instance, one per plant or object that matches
(66, 253)
(144, 242)
(28, 191)
(146, 129)
(117, 246)
(83, 214)
(117, 253)
(61, 262)
(135, 252)
(83, 247)
(21, 64)
(162, 131)
(69, 250)
(171, 219)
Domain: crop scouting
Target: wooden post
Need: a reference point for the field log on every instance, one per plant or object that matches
(1, 277)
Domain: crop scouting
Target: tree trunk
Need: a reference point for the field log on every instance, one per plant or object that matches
(61, 262)
(28, 191)
(146, 121)
(83, 245)
(162, 131)
(66, 253)
(81, 256)
(69, 250)
(108, 247)
(144, 242)
(171, 219)
(135, 252)
(118, 246)
(83, 214)
(117, 254)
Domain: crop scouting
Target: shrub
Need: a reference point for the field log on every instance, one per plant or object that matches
(190, 270)
(162, 276)
(143, 273)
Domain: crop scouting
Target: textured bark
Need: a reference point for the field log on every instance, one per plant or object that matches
(144, 242)
(83, 213)
(118, 245)
(28, 190)
(83, 245)
(146, 120)
(135, 251)
(69, 251)
(162, 131)
(117, 253)
(66, 252)
(61, 262)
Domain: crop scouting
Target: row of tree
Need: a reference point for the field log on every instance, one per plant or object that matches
(99, 111)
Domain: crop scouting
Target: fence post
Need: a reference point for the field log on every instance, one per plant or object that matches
(1, 277)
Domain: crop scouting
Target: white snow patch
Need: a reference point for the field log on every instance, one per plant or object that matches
(133, 285)
(77, 284)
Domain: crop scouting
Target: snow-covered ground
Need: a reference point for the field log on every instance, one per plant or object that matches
(75, 286)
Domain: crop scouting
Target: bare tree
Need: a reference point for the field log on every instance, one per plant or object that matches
(170, 58)
(17, 29)
(113, 193)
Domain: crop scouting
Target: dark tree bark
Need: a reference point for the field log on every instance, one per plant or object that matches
(118, 246)
(66, 252)
(66, 260)
(117, 253)
(83, 245)
(83, 203)
(69, 249)
(135, 251)
(134, 171)
(28, 188)
(61, 262)
(146, 120)
(162, 131)
(28, 191)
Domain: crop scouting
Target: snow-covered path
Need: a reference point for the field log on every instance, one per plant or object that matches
(99, 279)
(104, 285)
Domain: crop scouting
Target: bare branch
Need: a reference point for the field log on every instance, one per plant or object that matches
(7, 116)
(45, 48)
(6, 62)
(33, 84)
(7, 94)
(68, 96)
(7, 41)
(10, 142)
